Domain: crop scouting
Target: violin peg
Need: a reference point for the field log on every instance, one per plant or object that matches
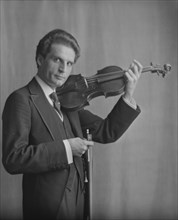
(167, 67)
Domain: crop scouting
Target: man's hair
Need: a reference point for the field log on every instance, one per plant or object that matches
(57, 36)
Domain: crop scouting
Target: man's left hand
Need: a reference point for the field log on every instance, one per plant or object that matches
(132, 76)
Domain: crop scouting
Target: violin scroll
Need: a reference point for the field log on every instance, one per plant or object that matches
(159, 69)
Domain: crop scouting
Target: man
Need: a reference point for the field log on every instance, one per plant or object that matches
(46, 144)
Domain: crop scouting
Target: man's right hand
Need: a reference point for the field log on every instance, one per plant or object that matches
(79, 146)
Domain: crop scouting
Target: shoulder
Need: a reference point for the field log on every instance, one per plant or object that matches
(18, 94)
(23, 92)
(18, 97)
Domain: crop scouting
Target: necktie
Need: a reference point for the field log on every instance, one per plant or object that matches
(56, 103)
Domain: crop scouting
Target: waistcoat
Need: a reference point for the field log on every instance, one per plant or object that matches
(66, 132)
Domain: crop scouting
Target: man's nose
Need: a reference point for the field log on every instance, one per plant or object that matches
(62, 67)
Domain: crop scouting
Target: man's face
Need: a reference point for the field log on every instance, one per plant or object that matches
(56, 67)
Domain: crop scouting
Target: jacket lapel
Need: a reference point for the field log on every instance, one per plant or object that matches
(45, 110)
(48, 115)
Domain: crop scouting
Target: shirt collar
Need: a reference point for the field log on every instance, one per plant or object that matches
(45, 87)
(47, 91)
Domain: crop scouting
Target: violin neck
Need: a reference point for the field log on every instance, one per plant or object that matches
(147, 69)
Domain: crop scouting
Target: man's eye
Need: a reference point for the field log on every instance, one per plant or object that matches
(69, 64)
(56, 59)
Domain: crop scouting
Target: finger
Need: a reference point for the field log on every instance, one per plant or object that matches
(130, 75)
(136, 69)
(131, 65)
(81, 153)
(136, 62)
(139, 66)
(84, 150)
(85, 147)
(88, 143)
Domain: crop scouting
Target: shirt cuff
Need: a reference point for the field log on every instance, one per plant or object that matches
(68, 151)
(131, 104)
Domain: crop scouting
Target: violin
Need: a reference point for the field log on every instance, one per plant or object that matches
(78, 90)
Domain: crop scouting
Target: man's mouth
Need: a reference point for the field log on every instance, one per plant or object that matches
(59, 77)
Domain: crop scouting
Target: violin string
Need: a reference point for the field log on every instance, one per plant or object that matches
(93, 79)
(105, 75)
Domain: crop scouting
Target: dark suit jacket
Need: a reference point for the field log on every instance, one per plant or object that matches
(33, 145)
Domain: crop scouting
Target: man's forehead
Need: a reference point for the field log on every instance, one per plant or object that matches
(57, 48)
(62, 51)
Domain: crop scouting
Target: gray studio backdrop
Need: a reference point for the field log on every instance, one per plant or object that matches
(136, 177)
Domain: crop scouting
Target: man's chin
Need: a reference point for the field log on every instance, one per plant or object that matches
(60, 84)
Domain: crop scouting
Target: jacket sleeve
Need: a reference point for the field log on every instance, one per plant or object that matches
(113, 126)
(20, 153)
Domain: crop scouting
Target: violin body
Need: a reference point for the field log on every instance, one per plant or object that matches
(109, 81)
(78, 90)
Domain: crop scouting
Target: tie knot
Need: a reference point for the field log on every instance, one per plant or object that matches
(54, 97)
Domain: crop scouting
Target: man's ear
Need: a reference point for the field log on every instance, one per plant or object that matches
(40, 60)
